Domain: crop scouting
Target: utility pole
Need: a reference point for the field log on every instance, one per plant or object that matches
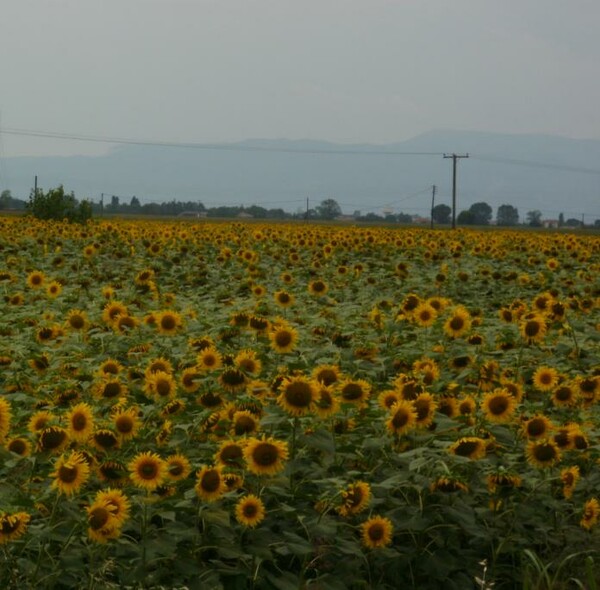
(454, 157)
(432, 203)
(35, 186)
(306, 208)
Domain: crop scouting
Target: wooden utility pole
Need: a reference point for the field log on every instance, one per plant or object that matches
(454, 157)
(432, 203)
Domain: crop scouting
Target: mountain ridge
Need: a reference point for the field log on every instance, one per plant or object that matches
(529, 171)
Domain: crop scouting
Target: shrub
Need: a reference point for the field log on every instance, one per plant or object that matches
(56, 204)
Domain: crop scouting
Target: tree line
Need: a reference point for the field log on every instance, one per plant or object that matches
(57, 204)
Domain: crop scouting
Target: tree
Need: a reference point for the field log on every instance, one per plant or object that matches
(482, 213)
(534, 218)
(561, 219)
(329, 209)
(507, 215)
(135, 204)
(441, 213)
(465, 218)
(7, 201)
(56, 204)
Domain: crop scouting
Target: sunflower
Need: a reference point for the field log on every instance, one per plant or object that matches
(564, 396)
(160, 386)
(354, 391)
(498, 405)
(76, 320)
(403, 417)
(542, 453)
(5, 418)
(52, 439)
(103, 524)
(297, 396)
(588, 388)
(109, 388)
(168, 322)
(112, 472)
(110, 368)
(459, 323)
(533, 329)
(425, 407)
(175, 406)
(19, 446)
(448, 485)
(53, 289)
(158, 365)
(247, 361)
(244, 422)
(386, 399)
(355, 498)
(502, 481)
(209, 359)
(318, 288)
(408, 389)
(70, 474)
(513, 388)
(189, 379)
(233, 380)
(36, 279)
(178, 467)
(591, 511)
(537, 427)
(283, 339)
(569, 476)
(448, 406)
(424, 315)
(545, 378)
(259, 324)
(13, 526)
(116, 502)
(377, 532)
(326, 374)
(104, 439)
(230, 454)
(265, 456)
(210, 485)
(283, 299)
(126, 423)
(112, 311)
(471, 447)
(80, 421)
(250, 510)
(37, 422)
(147, 470)
(125, 323)
(326, 402)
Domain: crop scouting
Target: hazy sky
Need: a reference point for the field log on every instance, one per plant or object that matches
(341, 70)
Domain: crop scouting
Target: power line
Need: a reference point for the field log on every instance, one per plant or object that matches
(534, 164)
(213, 146)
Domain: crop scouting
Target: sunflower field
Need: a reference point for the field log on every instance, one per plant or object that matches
(244, 405)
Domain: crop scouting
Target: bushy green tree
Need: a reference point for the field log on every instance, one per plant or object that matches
(507, 215)
(56, 204)
(441, 213)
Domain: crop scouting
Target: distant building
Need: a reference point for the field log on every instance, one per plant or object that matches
(549, 223)
(421, 220)
(194, 214)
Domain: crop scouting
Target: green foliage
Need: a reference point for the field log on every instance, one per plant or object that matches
(441, 213)
(58, 205)
(507, 215)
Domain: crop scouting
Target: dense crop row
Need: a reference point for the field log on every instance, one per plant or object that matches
(289, 406)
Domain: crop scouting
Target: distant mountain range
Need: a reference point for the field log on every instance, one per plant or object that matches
(548, 173)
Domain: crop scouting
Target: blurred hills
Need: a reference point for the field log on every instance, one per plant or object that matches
(549, 173)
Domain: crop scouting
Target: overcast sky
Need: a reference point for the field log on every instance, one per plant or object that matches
(341, 70)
